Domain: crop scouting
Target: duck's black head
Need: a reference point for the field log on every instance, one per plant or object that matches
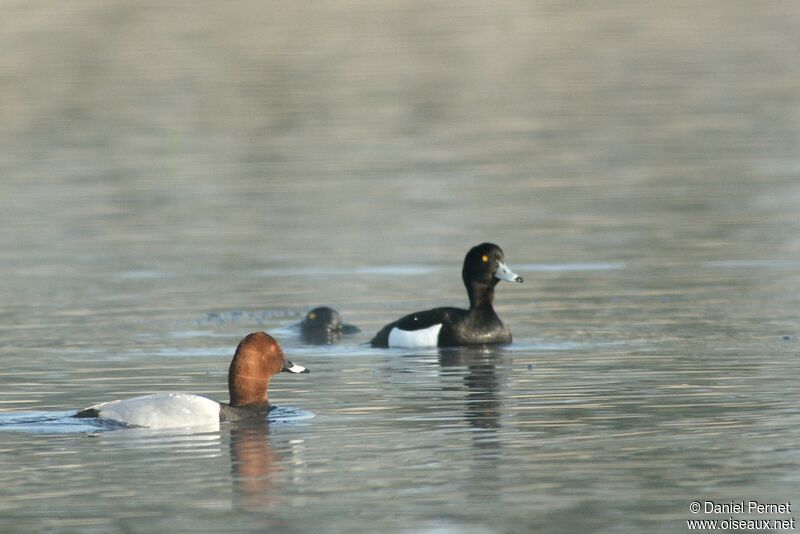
(484, 267)
(323, 325)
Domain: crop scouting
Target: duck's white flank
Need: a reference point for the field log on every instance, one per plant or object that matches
(410, 339)
(294, 368)
(162, 410)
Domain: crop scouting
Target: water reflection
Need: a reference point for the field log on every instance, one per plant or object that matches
(255, 466)
(482, 383)
(482, 411)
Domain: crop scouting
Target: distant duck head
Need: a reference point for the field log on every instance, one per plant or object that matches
(323, 326)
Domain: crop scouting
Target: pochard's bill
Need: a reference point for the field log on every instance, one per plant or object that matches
(484, 266)
(257, 359)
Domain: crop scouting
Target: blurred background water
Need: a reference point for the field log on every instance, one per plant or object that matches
(175, 175)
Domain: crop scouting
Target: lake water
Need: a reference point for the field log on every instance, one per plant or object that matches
(173, 177)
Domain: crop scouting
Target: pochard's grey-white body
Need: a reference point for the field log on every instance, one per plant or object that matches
(484, 266)
(162, 410)
(258, 357)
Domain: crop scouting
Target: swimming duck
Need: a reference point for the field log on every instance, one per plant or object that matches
(484, 266)
(323, 326)
(258, 357)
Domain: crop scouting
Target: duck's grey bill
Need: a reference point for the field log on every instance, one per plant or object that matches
(294, 368)
(504, 273)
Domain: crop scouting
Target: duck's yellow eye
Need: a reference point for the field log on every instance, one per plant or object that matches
(312, 316)
(485, 258)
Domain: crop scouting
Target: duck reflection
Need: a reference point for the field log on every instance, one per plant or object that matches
(482, 409)
(255, 466)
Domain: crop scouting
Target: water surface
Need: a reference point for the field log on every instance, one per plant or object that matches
(175, 177)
